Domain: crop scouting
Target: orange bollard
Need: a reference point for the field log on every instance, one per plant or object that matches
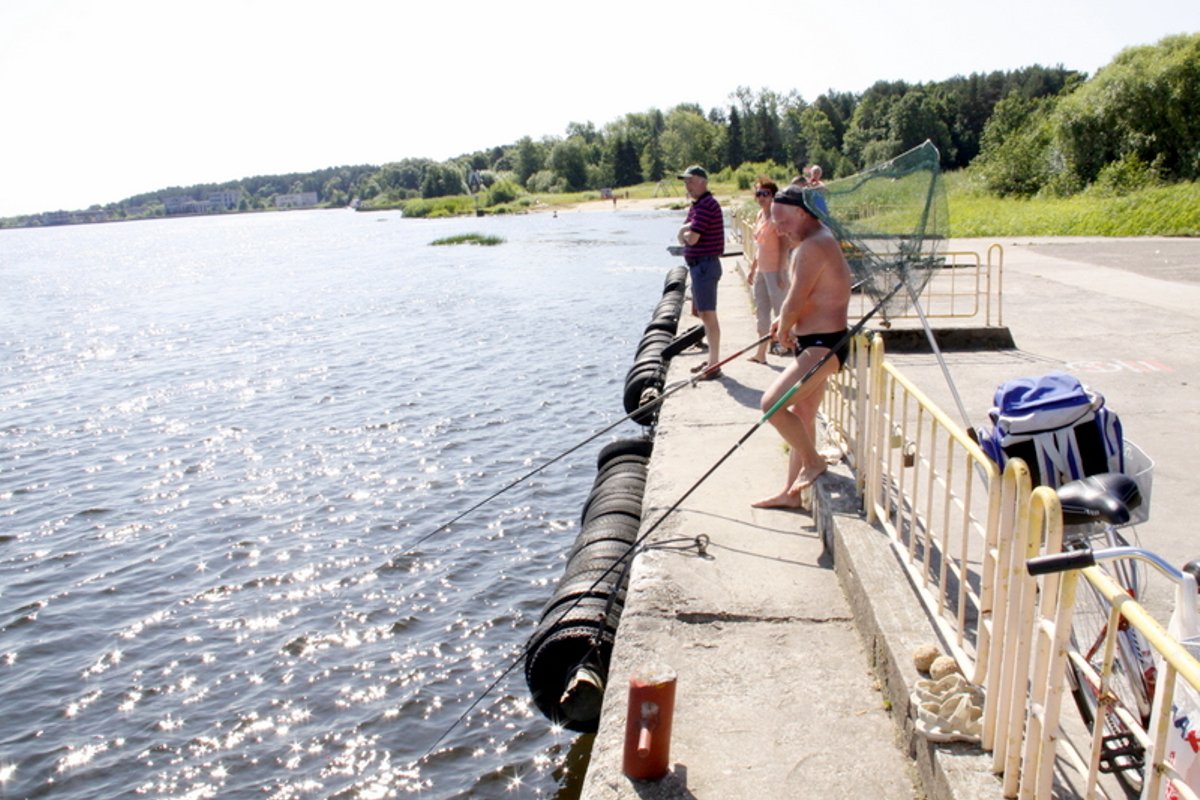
(648, 723)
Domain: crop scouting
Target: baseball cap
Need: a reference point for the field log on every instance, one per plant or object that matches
(694, 171)
(797, 195)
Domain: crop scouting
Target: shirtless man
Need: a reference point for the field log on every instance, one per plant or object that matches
(812, 321)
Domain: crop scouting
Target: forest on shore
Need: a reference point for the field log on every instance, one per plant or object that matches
(1034, 133)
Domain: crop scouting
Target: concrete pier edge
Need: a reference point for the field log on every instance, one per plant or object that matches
(892, 624)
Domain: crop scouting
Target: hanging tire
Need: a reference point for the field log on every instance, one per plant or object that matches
(549, 668)
(683, 341)
(623, 447)
(613, 505)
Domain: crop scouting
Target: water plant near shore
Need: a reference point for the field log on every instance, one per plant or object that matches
(468, 238)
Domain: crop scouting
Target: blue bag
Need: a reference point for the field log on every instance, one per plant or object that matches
(1059, 428)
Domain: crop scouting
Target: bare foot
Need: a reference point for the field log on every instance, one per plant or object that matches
(784, 499)
(805, 479)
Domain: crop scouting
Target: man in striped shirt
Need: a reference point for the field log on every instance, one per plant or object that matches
(703, 240)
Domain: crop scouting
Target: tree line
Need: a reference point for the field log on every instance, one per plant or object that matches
(1036, 130)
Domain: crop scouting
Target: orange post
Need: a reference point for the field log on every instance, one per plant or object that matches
(648, 723)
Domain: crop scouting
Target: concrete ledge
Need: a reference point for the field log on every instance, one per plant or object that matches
(913, 340)
(892, 624)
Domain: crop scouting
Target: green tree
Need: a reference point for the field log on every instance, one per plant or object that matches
(734, 152)
(689, 138)
(916, 117)
(627, 170)
(528, 159)
(1144, 104)
(442, 180)
(1015, 146)
(568, 160)
(868, 138)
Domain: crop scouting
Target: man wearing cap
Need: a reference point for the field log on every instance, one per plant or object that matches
(813, 321)
(703, 240)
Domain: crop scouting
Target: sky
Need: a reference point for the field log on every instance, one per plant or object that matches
(105, 100)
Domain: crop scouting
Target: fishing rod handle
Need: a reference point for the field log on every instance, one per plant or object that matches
(1060, 562)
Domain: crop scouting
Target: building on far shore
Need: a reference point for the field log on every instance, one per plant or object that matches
(297, 200)
(223, 200)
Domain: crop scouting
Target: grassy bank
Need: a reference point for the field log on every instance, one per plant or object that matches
(1158, 211)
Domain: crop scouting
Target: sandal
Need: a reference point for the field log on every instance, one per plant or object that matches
(711, 376)
(699, 368)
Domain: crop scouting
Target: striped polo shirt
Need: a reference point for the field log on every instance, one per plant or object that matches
(705, 218)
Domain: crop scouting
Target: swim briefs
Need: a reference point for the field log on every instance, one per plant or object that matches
(827, 340)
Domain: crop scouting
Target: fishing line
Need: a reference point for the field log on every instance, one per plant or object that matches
(637, 411)
(625, 561)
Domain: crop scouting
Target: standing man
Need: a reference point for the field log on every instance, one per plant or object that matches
(813, 321)
(703, 240)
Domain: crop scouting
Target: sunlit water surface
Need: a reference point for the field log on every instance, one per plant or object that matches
(219, 437)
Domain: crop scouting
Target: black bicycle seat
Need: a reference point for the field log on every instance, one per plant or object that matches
(1110, 496)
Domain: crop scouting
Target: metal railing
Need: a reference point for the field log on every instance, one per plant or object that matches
(926, 483)
(963, 532)
(966, 286)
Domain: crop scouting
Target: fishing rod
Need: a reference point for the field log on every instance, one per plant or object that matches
(642, 409)
(625, 560)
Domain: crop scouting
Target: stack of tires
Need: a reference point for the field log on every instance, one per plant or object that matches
(644, 381)
(566, 662)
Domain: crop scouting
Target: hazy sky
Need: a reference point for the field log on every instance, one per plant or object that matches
(104, 100)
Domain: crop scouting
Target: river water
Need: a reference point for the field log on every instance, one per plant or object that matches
(219, 437)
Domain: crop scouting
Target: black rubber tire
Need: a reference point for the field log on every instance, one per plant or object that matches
(613, 505)
(683, 341)
(601, 556)
(608, 494)
(549, 666)
(634, 390)
(620, 474)
(578, 588)
(676, 279)
(624, 447)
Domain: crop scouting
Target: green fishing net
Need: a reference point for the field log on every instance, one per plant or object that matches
(892, 221)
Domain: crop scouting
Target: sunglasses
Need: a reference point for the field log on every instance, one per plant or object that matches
(762, 193)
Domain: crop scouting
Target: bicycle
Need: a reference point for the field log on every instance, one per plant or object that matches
(1094, 508)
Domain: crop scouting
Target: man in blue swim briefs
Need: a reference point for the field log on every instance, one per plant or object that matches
(813, 321)
(703, 240)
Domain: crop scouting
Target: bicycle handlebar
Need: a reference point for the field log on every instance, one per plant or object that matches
(1078, 559)
(1060, 562)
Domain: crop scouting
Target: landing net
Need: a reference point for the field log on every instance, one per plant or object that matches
(892, 221)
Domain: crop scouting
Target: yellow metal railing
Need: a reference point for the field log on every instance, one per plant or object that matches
(966, 286)
(963, 531)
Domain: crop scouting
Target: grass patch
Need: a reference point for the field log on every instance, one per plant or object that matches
(468, 238)
(1172, 210)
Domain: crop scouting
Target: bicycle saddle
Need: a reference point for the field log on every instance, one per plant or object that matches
(1110, 496)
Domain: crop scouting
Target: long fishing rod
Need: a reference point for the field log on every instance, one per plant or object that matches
(626, 559)
(636, 412)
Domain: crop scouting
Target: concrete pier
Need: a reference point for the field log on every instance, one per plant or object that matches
(792, 636)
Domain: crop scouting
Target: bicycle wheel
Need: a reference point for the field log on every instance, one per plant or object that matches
(1130, 681)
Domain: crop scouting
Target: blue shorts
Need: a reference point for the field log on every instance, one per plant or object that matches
(705, 272)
